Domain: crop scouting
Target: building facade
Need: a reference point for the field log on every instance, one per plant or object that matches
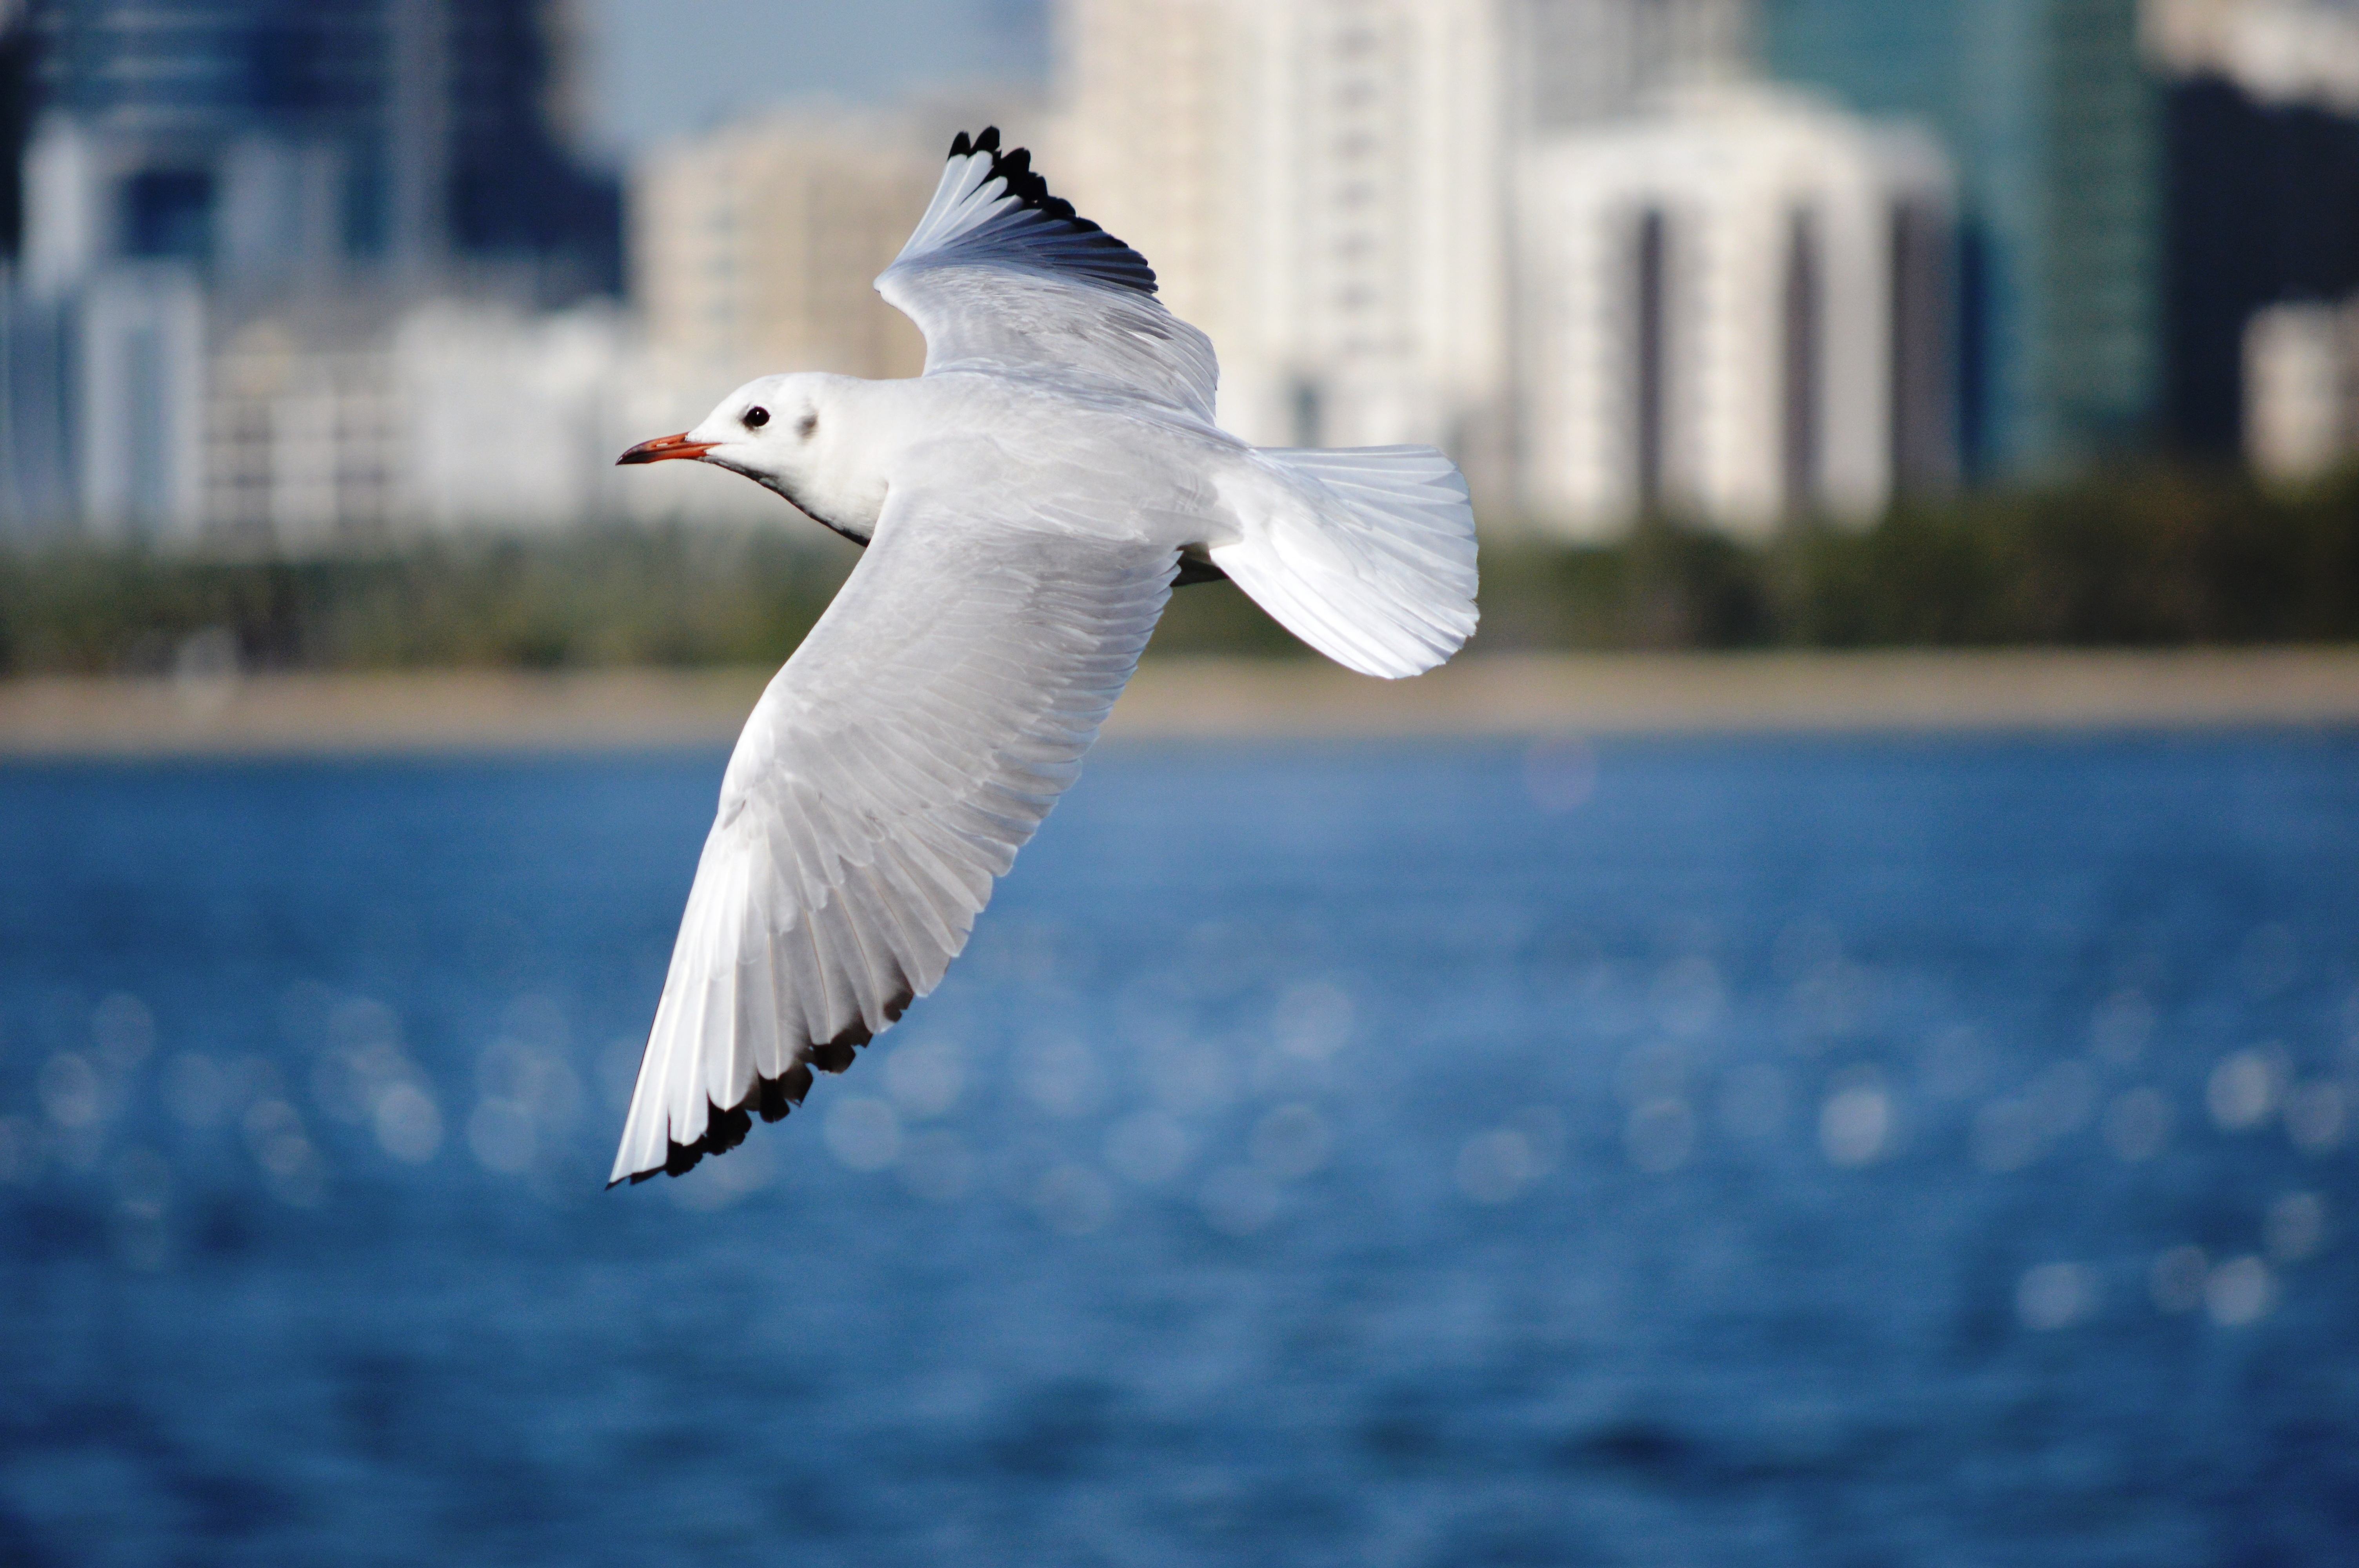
(267, 141)
(1322, 182)
(1574, 62)
(198, 177)
(1734, 307)
(2300, 387)
(2052, 121)
(1412, 220)
(755, 248)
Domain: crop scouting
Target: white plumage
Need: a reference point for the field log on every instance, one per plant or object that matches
(1026, 503)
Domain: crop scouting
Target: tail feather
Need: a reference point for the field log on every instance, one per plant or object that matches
(1369, 557)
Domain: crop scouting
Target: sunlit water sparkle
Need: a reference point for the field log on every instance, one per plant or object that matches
(1927, 1151)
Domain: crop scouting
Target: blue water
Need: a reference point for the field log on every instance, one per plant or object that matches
(1864, 1151)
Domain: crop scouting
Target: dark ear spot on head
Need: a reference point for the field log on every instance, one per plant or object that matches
(808, 425)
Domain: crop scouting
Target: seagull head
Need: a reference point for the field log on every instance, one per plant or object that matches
(787, 433)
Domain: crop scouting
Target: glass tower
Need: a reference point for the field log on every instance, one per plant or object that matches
(2054, 126)
(414, 132)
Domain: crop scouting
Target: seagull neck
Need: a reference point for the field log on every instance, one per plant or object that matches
(842, 482)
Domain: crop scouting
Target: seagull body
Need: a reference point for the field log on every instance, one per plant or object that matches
(1027, 504)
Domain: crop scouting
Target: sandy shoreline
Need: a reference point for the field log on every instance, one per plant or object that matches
(1216, 699)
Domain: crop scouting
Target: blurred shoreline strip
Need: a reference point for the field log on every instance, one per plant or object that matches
(1218, 699)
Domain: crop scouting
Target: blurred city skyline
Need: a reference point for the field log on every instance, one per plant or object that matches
(1748, 262)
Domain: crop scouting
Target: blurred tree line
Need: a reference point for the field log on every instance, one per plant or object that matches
(673, 595)
(2147, 558)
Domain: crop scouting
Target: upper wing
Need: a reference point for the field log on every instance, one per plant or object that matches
(891, 771)
(1001, 276)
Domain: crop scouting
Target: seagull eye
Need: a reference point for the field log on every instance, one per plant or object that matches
(756, 417)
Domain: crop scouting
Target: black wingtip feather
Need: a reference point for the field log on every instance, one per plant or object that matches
(1031, 191)
(771, 1098)
(783, 1093)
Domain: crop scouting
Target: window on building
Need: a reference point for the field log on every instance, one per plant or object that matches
(1650, 356)
(168, 213)
(1920, 413)
(1803, 393)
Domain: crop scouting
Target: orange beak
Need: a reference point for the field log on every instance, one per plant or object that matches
(664, 447)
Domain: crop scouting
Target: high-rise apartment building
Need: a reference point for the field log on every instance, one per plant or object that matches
(1575, 62)
(2048, 110)
(756, 247)
(1734, 307)
(1322, 184)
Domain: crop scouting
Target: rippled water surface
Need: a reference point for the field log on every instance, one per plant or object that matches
(1895, 1152)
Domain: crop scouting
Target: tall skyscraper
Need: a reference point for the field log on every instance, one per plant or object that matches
(2049, 112)
(269, 141)
(1323, 182)
(190, 169)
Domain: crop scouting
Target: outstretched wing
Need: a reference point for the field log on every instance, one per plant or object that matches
(1001, 276)
(892, 769)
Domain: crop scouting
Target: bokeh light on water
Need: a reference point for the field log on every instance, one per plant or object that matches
(1601, 1152)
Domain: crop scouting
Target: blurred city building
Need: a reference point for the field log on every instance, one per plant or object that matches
(1576, 61)
(2262, 107)
(271, 268)
(1734, 307)
(452, 413)
(2052, 122)
(1322, 187)
(1422, 220)
(2301, 389)
(755, 248)
(209, 187)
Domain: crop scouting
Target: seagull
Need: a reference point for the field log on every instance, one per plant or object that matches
(1026, 505)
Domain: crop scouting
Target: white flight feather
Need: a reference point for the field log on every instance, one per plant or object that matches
(879, 787)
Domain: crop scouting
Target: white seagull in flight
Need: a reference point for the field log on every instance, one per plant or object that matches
(1028, 505)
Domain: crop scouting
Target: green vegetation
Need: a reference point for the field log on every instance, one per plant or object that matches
(601, 596)
(2153, 557)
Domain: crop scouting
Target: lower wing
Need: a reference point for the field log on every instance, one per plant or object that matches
(892, 769)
